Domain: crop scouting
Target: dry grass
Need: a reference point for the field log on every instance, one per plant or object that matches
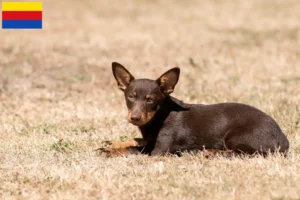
(59, 99)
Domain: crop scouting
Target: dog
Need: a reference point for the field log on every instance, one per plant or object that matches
(169, 126)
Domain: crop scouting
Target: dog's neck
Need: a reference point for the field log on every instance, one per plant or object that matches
(170, 104)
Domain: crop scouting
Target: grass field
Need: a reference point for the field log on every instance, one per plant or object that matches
(59, 100)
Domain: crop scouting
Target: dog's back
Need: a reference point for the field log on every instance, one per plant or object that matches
(227, 126)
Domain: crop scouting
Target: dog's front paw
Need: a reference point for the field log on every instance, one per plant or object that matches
(113, 152)
(107, 143)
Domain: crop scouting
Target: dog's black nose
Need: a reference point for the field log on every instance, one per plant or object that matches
(135, 118)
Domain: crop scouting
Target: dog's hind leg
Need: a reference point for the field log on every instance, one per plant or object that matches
(256, 139)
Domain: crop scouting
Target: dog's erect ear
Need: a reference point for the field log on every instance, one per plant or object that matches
(168, 80)
(122, 75)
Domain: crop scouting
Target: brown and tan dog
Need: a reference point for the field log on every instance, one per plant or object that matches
(170, 126)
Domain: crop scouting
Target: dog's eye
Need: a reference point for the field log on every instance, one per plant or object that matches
(131, 97)
(150, 100)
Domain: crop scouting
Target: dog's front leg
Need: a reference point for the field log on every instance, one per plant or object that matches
(162, 145)
(131, 147)
(112, 152)
(136, 142)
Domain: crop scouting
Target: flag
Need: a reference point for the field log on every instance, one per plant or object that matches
(22, 15)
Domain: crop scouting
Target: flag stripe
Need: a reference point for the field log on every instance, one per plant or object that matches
(22, 6)
(22, 15)
(22, 24)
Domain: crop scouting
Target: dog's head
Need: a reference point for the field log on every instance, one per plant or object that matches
(144, 96)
